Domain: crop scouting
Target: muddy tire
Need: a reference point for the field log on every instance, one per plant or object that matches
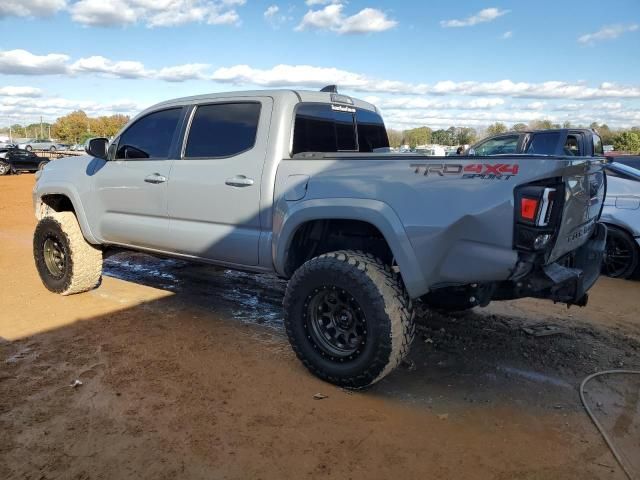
(5, 168)
(66, 262)
(348, 318)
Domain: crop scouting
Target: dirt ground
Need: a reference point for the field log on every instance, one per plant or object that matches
(186, 373)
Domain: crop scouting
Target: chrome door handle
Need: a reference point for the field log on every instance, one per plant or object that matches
(239, 181)
(155, 178)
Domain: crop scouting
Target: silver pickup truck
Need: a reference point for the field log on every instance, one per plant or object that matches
(297, 183)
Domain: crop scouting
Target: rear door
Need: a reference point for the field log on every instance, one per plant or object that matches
(129, 203)
(214, 193)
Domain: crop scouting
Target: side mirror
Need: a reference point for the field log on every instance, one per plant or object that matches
(97, 147)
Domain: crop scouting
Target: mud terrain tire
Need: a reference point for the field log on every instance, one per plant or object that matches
(66, 262)
(367, 293)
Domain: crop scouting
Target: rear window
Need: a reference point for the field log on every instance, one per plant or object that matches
(222, 130)
(542, 143)
(320, 128)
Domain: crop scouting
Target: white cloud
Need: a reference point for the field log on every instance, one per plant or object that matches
(99, 64)
(311, 3)
(30, 8)
(9, 91)
(507, 35)
(181, 73)
(485, 15)
(155, 13)
(608, 32)
(271, 11)
(411, 103)
(22, 62)
(332, 18)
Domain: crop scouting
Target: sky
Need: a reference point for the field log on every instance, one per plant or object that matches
(436, 63)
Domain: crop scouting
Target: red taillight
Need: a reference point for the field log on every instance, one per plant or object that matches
(528, 208)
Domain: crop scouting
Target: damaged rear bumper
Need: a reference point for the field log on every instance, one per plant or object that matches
(566, 280)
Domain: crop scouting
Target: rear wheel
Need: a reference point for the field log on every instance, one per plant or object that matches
(66, 262)
(348, 318)
(5, 168)
(52, 148)
(621, 254)
(28, 148)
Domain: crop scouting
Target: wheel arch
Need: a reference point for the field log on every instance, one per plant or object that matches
(377, 217)
(61, 199)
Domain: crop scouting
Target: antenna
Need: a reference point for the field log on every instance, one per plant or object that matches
(330, 89)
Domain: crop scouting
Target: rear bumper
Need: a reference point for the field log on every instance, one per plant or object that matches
(569, 279)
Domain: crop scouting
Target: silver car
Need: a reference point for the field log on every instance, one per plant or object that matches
(621, 213)
(35, 144)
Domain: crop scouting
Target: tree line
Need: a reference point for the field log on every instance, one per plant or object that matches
(622, 140)
(76, 127)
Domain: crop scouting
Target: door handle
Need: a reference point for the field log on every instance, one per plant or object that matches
(155, 178)
(239, 181)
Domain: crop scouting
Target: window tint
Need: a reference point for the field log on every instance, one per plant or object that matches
(598, 149)
(223, 130)
(572, 146)
(372, 133)
(149, 137)
(318, 128)
(498, 146)
(542, 143)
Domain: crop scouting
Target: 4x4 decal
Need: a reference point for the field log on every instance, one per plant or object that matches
(482, 171)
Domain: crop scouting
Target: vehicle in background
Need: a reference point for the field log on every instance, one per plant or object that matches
(621, 214)
(15, 160)
(625, 159)
(5, 145)
(571, 142)
(35, 144)
(77, 147)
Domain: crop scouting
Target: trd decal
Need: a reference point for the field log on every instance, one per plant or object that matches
(482, 171)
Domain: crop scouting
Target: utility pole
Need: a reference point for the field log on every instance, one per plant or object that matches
(41, 131)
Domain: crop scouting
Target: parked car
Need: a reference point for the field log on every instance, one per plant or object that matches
(35, 144)
(77, 147)
(14, 160)
(621, 214)
(572, 142)
(288, 182)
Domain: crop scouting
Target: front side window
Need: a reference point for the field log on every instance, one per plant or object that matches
(542, 143)
(150, 136)
(223, 130)
(498, 146)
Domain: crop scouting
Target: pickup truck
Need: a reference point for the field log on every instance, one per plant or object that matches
(571, 142)
(298, 184)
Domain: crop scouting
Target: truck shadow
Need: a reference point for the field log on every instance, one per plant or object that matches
(475, 357)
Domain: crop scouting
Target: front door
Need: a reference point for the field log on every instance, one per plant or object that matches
(214, 193)
(129, 201)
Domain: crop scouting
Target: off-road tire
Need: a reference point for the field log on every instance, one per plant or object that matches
(5, 168)
(82, 269)
(383, 300)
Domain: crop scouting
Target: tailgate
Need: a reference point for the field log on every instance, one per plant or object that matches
(585, 187)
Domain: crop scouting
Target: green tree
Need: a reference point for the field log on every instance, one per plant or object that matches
(627, 142)
(418, 136)
(466, 136)
(496, 128)
(542, 125)
(395, 137)
(442, 137)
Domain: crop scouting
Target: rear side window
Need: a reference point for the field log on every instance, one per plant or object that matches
(320, 128)
(542, 143)
(572, 146)
(498, 146)
(223, 130)
(150, 136)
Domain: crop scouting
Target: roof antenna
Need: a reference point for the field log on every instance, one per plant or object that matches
(330, 89)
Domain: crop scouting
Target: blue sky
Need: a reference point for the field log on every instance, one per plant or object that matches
(437, 63)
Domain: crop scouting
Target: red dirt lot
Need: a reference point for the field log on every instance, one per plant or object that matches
(186, 373)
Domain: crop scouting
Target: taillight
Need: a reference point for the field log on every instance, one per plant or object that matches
(538, 210)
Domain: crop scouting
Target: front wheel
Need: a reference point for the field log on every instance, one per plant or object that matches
(66, 262)
(348, 318)
(28, 148)
(621, 254)
(52, 148)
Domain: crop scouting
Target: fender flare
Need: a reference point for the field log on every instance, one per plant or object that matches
(375, 212)
(69, 191)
